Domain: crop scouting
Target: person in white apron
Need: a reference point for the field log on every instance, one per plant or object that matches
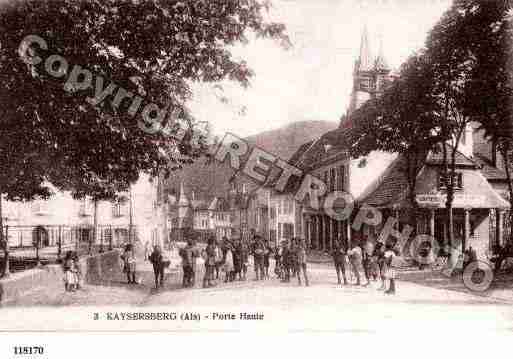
(390, 270)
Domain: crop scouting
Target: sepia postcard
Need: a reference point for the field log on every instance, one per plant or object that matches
(292, 166)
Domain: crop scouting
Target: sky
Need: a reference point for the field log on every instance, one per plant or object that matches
(313, 79)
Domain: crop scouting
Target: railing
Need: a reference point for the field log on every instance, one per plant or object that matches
(45, 244)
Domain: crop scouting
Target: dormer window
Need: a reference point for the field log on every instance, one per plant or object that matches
(458, 181)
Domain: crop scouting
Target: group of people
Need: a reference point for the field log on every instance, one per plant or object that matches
(230, 257)
(366, 260)
(291, 260)
(363, 260)
(72, 272)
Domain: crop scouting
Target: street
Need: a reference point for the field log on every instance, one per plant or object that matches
(323, 305)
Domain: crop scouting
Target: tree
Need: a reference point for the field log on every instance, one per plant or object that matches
(452, 67)
(21, 177)
(151, 50)
(403, 120)
(486, 32)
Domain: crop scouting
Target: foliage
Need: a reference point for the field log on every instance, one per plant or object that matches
(152, 48)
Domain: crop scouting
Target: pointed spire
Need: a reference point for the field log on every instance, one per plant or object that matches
(183, 201)
(365, 59)
(381, 63)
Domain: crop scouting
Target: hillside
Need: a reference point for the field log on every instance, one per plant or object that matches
(284, 141)
(209, 180)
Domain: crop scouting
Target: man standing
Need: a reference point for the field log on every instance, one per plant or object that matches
(339, 259)
(210, 262)
(219, 258)
(258, 255)
(244, 252)
(187, 257)
(285, 261)
(195, 253)
(301, 261)
(156, 260)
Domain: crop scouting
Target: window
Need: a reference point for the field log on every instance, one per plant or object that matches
(288, 230)
(332, 180)
(82, 209)
(116, 210)
(365, 84)
(341, 178)
(458, 181)
(40, 207)
(279, 230)
(288, 206)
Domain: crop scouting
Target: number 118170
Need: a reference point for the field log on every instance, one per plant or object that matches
(28, 350)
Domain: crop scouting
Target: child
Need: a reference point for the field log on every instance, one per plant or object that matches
(69, 276)
(77, 271)
(390, 271)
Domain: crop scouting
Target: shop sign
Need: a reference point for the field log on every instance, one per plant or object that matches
(430, 200)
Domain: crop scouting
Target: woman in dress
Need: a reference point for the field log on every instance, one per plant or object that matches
(69, 276)
(389, 256)
(301, 261)
(129, 263)
(379, 251)
(77, 271)
(229, 267)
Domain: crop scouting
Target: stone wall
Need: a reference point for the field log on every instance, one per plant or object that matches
(96, 268)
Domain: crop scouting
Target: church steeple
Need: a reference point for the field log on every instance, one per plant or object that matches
(370, 74)
(183, 201)
(364, 62)
(381, 63)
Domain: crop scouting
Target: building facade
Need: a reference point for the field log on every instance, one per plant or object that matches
(66, 220)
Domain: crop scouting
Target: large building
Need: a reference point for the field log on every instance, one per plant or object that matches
(327, 158)
(378, 180)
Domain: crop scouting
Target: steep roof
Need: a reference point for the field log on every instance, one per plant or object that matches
(488, 170)
(314, 154)
(329, 146)
(436, 158)
(393, 185)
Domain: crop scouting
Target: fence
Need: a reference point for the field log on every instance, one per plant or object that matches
(45, 244)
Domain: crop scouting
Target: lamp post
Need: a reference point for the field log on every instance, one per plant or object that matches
(130, 223)
(38, 240)
(110, 238)
(101, 240)
(59, 245)
(6, 243)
